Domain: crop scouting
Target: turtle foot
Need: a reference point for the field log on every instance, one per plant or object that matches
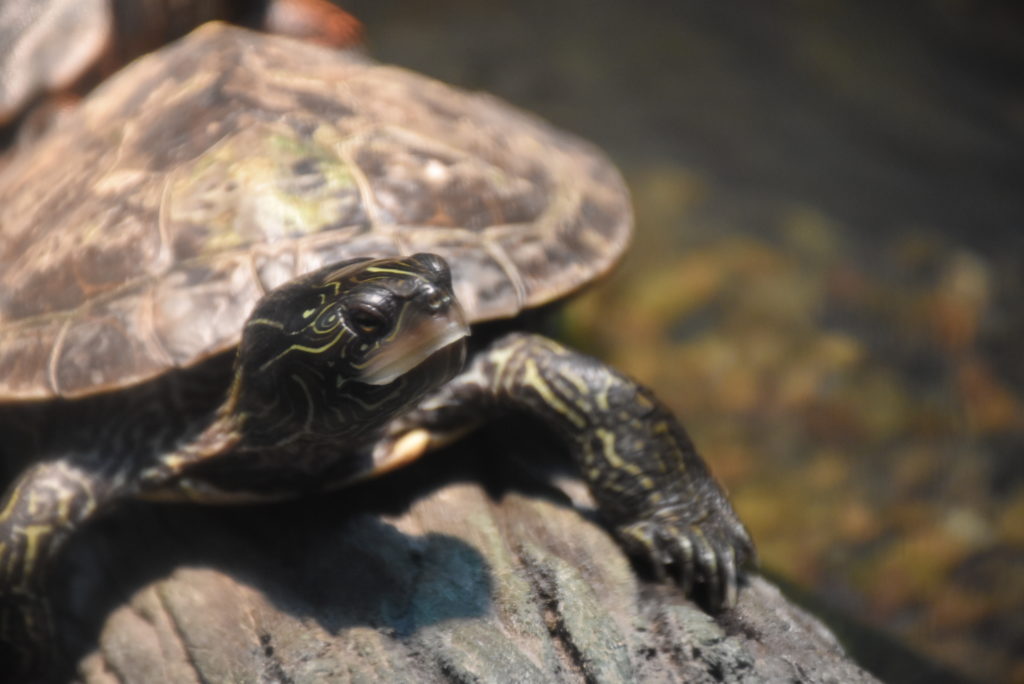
(704, 558)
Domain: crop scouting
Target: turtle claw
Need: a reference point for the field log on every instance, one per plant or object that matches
(703, 558)
(729, 574)
(639, 539)
(682, 556)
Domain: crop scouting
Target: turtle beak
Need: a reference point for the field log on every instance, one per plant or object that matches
(415, 341)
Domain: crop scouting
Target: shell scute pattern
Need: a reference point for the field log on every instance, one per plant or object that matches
(138, 236)
(415, 182)
(262, 185)
(149, 227)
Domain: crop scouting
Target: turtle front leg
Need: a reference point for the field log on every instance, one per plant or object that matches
(37, 515)
(641, 466)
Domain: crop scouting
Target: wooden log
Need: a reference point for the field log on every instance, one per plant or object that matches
(463, 578)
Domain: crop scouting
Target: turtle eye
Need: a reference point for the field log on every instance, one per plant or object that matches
(367, 319)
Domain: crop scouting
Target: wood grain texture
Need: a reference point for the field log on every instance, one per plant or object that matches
(423, 577)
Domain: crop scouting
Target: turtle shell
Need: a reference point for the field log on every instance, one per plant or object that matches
(137, 236)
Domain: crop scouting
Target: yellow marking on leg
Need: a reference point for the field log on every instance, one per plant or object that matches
(32, 534)
(607, 438)
(67, 497)
(601, 396)
(608, 448)
(574, 380)
(533, 378)
(12, 501)
(500, 359)
(33, 501)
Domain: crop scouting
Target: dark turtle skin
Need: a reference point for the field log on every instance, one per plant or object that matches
(325, 360)
(206, 297)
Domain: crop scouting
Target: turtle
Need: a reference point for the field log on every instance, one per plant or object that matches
(248, 269)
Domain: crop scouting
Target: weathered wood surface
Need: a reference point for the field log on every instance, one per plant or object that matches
(469, 582)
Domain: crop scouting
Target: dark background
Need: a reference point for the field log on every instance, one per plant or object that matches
(827, 276)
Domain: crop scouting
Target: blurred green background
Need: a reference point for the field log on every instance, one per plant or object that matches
(828, 272)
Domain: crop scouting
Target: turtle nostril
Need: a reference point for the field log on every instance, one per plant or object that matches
(437, 300)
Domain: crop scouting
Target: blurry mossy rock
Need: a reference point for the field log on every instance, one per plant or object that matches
(423, 576)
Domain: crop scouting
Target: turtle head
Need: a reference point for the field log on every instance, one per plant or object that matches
(340, 351)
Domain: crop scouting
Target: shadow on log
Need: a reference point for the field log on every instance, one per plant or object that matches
(456, 570)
